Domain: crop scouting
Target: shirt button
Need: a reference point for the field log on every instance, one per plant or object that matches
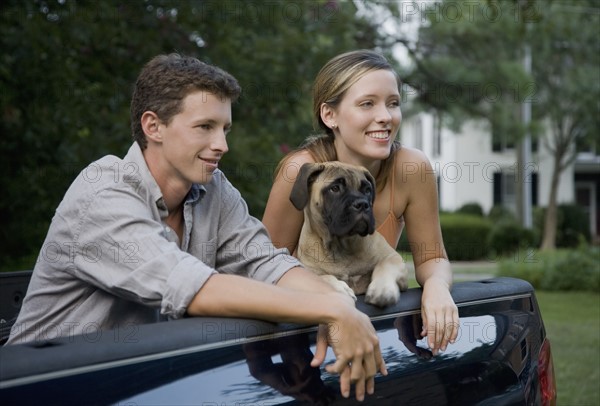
(168, 229)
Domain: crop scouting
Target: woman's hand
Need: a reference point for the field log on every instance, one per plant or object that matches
(440, 315)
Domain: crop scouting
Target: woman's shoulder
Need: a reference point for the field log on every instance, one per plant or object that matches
(302, 156)
(411, 163)
(408, 154)
(291, 164)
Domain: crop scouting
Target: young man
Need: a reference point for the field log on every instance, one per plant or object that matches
(161, 233)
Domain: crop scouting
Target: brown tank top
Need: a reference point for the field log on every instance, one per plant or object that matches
(392, 227)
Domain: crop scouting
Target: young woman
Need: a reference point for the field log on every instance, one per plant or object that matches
(356, 105)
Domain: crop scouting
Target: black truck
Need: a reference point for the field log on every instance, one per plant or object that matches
(502, 357)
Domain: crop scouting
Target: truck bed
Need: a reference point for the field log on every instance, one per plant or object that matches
(225, 361)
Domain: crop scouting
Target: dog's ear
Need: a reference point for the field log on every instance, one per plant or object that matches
(371, 180)
(301, 190)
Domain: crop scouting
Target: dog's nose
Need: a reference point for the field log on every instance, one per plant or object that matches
(360, 205)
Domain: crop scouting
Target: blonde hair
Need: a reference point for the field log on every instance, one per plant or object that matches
(331, 84)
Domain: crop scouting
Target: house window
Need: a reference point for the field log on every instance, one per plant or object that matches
(509, 191)
(586, 146)
(585, 197)
(505, 125)
(500, 141)
(501, 133)
(505, 190)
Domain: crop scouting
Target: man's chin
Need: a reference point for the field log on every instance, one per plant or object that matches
(203, 179)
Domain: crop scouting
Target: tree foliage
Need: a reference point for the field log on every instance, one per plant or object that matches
(468, 63)
(68, 66)
(567, 72)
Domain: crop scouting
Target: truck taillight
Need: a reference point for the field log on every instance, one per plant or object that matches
(546, 375)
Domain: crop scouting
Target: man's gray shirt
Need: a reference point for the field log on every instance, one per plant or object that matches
(110, 262)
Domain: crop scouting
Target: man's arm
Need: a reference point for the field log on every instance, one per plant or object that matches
(301, 297)
(345, 339)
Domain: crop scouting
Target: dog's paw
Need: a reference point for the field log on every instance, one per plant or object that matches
(349, 292)
(380, 293)
(339, 285)
(403, 283)
(344, 288)
(402, 277)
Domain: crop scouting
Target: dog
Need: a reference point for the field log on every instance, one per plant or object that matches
(338, 240)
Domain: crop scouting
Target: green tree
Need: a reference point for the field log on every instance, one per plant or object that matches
(566, 69)
(468, 63)
(67, 70)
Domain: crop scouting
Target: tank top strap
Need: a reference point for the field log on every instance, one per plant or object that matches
(392, 227)
(393, 188)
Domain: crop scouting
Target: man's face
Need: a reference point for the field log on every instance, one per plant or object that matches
(194, 141)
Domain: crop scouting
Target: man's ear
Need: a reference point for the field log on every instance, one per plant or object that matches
(328, 115)
(150, 126)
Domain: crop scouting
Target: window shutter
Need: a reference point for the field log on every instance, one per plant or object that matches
(497, 188)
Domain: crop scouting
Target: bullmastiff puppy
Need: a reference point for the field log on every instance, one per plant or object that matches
(338, 240)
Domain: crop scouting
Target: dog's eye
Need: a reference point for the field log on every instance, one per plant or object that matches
(366, 188)
(335, 188)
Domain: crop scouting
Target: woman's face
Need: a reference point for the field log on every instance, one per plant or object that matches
(367, 119)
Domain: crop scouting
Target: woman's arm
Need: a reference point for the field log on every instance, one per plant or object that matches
(281, 218)
(432, 268)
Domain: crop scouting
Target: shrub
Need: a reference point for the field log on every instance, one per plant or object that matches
(465, 236)
(576, 270)
(560, 270)
(572, 224)
(524, 264)
(471, 208)
(538, 224)
(507, 236)
(499, 213)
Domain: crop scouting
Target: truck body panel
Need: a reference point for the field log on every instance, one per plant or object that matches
(225, 361)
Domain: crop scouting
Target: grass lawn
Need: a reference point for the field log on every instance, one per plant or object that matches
(572, 321)
(462, 271)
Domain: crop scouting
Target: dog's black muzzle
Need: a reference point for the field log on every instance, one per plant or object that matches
(350, 215)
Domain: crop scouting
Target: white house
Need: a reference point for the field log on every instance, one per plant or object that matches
(471, 169)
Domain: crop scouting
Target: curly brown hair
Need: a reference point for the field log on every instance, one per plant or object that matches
(166, 80)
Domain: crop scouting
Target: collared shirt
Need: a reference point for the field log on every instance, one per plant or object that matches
(110, 262)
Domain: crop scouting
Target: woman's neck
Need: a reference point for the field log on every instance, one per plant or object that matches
(372, 165)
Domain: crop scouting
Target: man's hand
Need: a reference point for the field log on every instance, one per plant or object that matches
(300, 296)
(356, 347)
